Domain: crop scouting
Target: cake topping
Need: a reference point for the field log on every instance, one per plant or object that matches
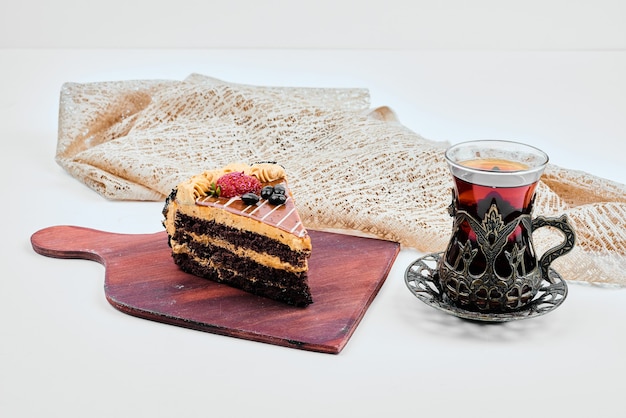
(277, 199)
(275, 195)
(237, 184)
(267, 172)
(266, 192)
(280, 189)
(257, 191)
(250, 198)
(205, 184)
(277, 209)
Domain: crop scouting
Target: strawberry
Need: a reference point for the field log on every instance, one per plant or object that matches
(237, 184)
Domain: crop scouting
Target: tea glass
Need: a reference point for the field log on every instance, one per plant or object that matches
(490, 264)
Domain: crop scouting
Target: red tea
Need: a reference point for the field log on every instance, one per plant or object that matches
(494, 164)
(509, 203)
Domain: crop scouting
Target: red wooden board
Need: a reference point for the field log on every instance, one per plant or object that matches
(141, 279)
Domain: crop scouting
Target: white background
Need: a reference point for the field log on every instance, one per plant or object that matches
(370, 24)
(550, 73)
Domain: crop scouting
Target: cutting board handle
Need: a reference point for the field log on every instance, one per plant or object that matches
(77, 242)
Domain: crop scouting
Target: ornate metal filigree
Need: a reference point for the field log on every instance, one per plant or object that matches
(507, 275)
(493, 288)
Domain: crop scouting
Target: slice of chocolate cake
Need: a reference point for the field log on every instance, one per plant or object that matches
(239, 225)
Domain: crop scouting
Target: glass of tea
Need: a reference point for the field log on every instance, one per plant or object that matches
(490, 264)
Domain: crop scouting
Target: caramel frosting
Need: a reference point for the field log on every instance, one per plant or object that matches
(282, 216)
(194, 197)
(266, 172)
(199, 186)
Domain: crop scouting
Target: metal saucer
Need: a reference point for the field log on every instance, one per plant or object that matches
(421, 279)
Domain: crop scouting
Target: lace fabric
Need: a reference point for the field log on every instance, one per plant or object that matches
(351, 168)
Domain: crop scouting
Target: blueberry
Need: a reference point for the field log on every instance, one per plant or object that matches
(250, 198)
(277, 199)
(280, 189)
(266, 192)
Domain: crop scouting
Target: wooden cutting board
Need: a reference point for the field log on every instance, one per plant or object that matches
(345, 274)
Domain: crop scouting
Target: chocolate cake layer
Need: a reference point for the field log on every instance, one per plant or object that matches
(224, 267)
(238, 238)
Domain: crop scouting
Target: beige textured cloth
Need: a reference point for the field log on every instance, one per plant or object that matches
(351, 167)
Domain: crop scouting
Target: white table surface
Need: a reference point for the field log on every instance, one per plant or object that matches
(64, 351)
